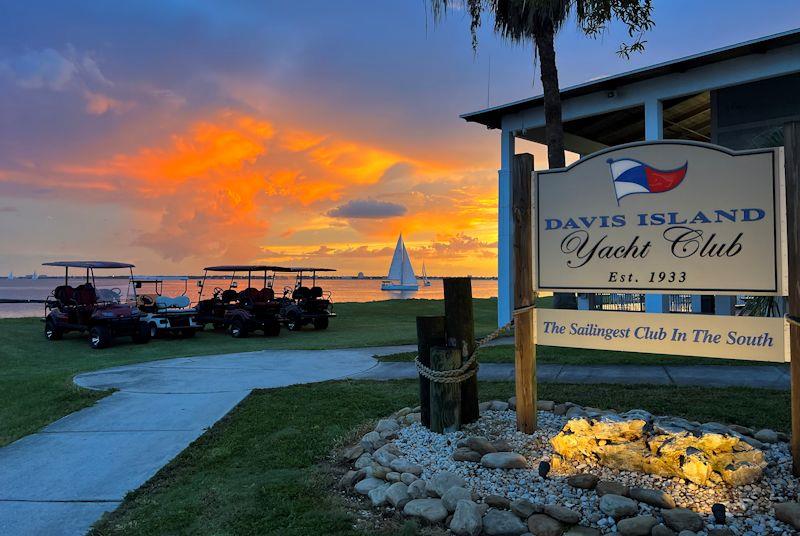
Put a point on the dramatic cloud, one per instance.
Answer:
(368, 208)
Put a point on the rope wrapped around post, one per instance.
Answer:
(470, 366)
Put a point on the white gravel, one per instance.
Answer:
(749, 511)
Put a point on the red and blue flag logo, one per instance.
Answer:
(634, 177)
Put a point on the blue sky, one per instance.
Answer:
(178, 133)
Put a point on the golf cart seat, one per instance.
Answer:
(65, 294)
(249, 294)
(301, 293)
(266, 294)
(229, 295)
(85, 294)
(316, 292)
(178, 302)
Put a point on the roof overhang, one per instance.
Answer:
(245, 268)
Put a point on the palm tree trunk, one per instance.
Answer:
(554, 126)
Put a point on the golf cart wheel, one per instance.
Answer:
(272, 329)
(51, 331)
(293, 322)
(321, 322)
(143, 333)
(99, 337)
(152, 328)
(238, 329)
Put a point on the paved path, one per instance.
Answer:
(60, 480)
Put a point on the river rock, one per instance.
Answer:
(377, 495)
(618, 506)
(583, 481)
(352, 452)
(453, 495)
(464, 454)
(393, 476)
(789, 513)
(480, 445)
(502, 523)
(467, 519)
(525, 508)
(544, 525)
(504, 460)
(365, 460)
(368, 484)
(501, 445)
(662, 530)
(387, 425)
(636, 526)
(408, 478)
(653, 497)
(372, 441)
(383, 457)
(497, 501)
(679, 519)
(767, 436)
(417, 489)
(401, 465)
(580, 530)
(397, 495)
(350, 478)
(431, 510)
(443, 481)
(498, 405)
(545, 405)
(720, 531)
(563, 514)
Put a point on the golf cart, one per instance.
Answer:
(302, 305)
(241, 312)
(165, 314)
(86, 308)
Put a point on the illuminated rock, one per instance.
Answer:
(705, 454)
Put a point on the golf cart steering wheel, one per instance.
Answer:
(217, 291)
(146, 300)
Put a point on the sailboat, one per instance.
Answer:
(401, 274)
(34, 276)
(425, 280)
(10, 276)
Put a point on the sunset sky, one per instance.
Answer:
(175, 134)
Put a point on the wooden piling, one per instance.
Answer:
(460, 333)
(430, 332)
(445, 397)
(524, 323)
(791, 136)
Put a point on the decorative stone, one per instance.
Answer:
(665, 446)
(411, 418)
(481, 445)
(788, 512)
(560, 409)
(431, 510)
(563, 514)
(767, 436)
(383, 457)
(502, 523)
(524, 508)
(397, 495)
(744, 430)
(583, 481)
(467, 519)
(636, 526)
(544, 525)
(501, 445)
(350, 478)
(545, 405)
(352, 452)
(687, 533)
(580, 530)
(464, 454)
(368, 484)
(387, 425)
(504, 460)
(443, 481)
(497, 501)
(679, 519)
(393, 476)
(498, 405)
(378, 494)
(512, 403)
(365, 460)
(604, 487)
(722, 531)
(483, 406)
(453, 495)
(371, 441)
(653, 497)
(376, 471)
(401, 465)
(408, 478)
(618, 506)
(661, 530)
(417, 489)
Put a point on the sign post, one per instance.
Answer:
(524, 321)
(791, 135)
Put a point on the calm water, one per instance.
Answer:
(343, 290)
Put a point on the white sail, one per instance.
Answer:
(425, 280)
(11, 275)
(407, 276)
(35, 276)
(396, 268)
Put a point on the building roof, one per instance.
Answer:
(492, 117)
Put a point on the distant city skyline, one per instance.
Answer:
(176, 135)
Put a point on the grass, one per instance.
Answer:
(263, 469)
(547, 355)
(36, 375)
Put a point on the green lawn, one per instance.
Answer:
(263, 469)
(36, 375)
(548, 355)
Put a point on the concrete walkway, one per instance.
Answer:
(62, 479)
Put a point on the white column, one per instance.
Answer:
(505, 231)
(654, 130)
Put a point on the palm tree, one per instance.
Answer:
(538, 22)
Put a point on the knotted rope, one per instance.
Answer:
(470, 367)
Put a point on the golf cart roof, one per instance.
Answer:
(245, 268)
(310, 269)
(89, 264)
(153, 278)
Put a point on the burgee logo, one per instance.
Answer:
(634, 177)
